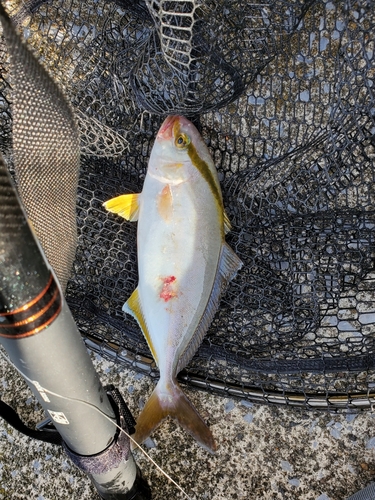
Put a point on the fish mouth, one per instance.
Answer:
(166, 129)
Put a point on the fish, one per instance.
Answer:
(184, 265)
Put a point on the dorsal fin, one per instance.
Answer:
(229, 264)
(227, 224)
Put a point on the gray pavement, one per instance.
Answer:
(263, 453)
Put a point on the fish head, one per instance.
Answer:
(170, 157)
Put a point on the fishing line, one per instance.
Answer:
(67, 398)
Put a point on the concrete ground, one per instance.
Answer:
(263, 453)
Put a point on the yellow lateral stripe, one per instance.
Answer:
(203, 168)
(135, 306)
(125, 205)
(206, 173)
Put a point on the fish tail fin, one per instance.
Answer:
(172, 401)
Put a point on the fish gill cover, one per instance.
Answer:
(282, 93)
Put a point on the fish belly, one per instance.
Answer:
(179, 243)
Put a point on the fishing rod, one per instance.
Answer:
(41, 339)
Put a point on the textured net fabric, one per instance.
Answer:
(46, 154)
(282, 93)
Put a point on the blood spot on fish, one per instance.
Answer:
(167, 292)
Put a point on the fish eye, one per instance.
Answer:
(182, 141)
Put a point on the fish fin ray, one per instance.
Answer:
(133, 307)
(227, 224)
(173, 402)
(229, 264)
(126, 205)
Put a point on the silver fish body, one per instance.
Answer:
(184, 265)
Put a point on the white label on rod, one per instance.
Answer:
(41, 391)
(58, 417)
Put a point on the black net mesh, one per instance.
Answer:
(282, 93)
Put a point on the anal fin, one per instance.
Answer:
(126, 205)
(133, 307)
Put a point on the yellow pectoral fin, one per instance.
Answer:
(126, 205)
(165, 203)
